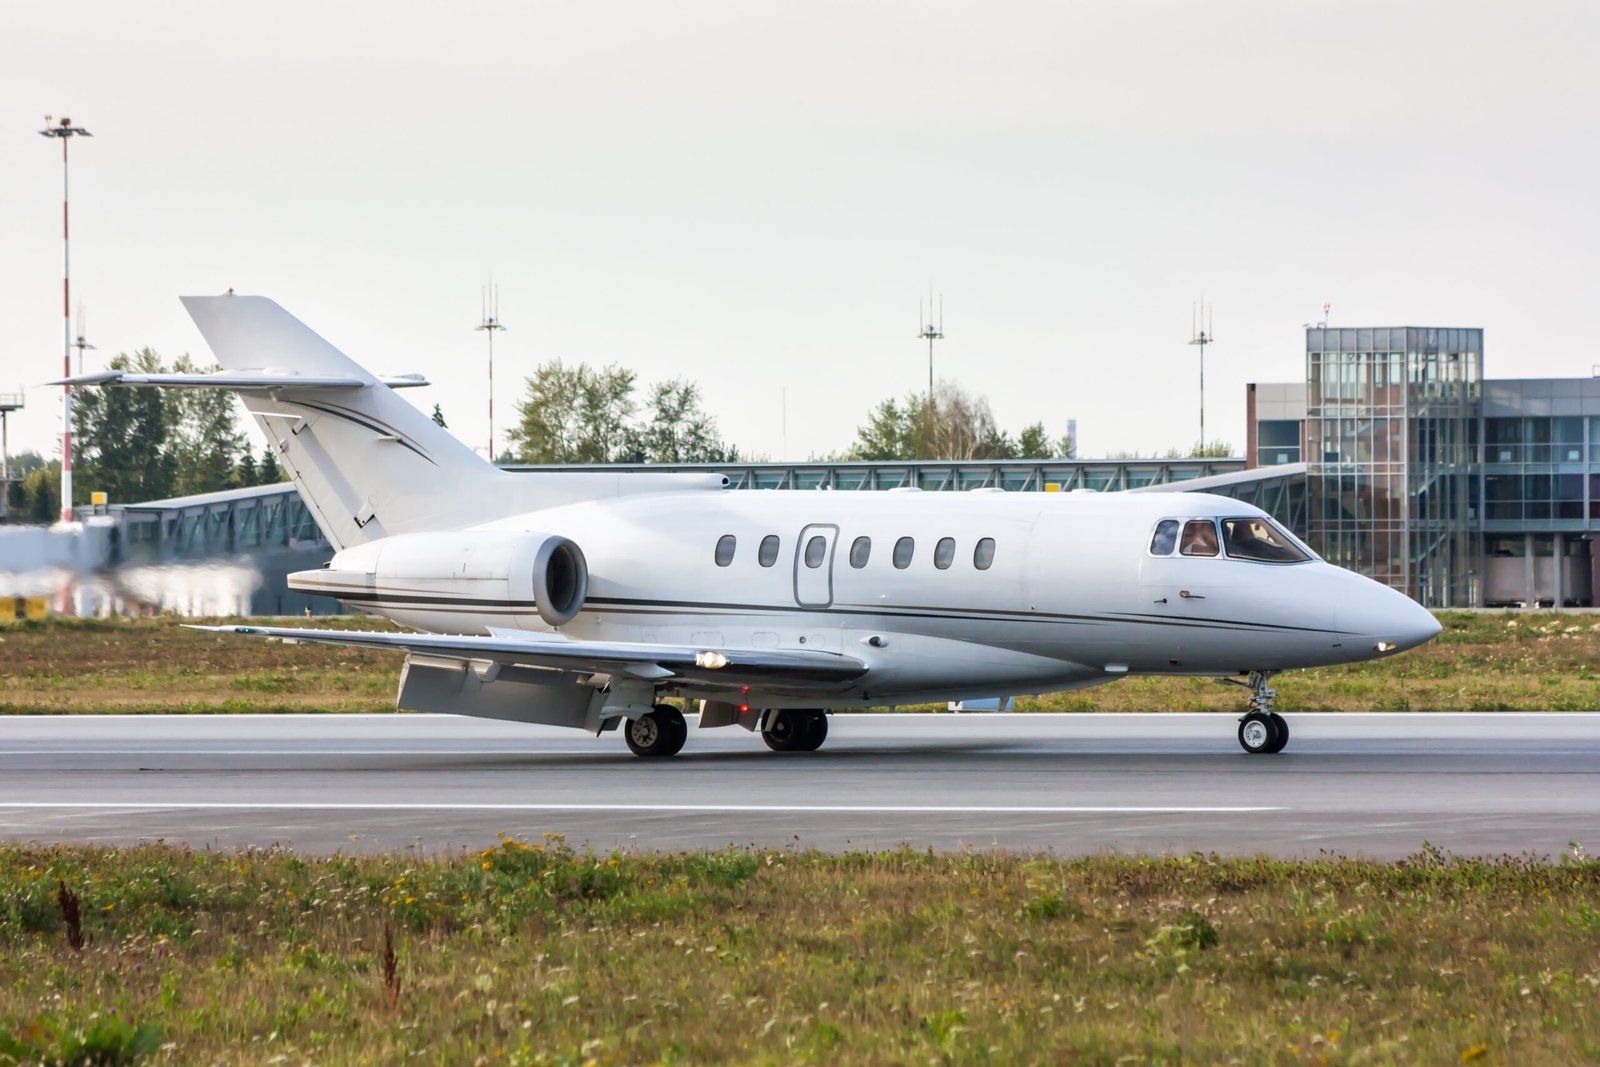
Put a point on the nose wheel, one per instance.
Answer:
(1262, 731)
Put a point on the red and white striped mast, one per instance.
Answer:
(491, 324)
(65, 130)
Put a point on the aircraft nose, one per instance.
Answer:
(1388, 621)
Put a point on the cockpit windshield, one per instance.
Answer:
(1256, 539)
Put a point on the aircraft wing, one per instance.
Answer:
(723, 666)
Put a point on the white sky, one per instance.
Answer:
(755, 196)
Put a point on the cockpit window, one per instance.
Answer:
(1199, 538)
(1165, 539)
(1257, 539)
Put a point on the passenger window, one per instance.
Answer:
(860, 549)
(1259, 540)
(944, 553)
(725, 546)
(983, 555)
(767, 554)
(816, 549)
(1199, 538)
(903, 549)
(1165, 539)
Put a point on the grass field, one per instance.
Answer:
(1481, 662)
(535, 953)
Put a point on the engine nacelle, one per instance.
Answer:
(433, 579)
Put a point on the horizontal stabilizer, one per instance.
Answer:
(234, 380)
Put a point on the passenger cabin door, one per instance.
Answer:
(813, 566)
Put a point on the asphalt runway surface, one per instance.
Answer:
(1376, 785)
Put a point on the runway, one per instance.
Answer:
(1375, 785)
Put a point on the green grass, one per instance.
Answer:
(1489, 661)
(537, 953)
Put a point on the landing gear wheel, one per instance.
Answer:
(796, 730)
(1262, 735)
(1262, 731)
(660, 732)
(1257, 734)
(1281, 725)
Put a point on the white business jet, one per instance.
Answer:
(587, 599)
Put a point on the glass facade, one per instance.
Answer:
(1536, 473)
(1278, 441)
(1389, 447)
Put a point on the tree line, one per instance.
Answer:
(145, 444)
(149, 444)
(583, 414)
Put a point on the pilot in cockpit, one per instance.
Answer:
(1199, 538)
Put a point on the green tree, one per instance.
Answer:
(889, 432)
(269, 473)
(20, 466)
(245, 473)
(121, 437)
(575, 415)
(41, 493)
(1035, 443)
(678, 429)
(203, 437)
(953, 424)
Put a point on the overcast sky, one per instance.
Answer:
(755, 196)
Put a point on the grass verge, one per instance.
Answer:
(1499, 661)
(538, 954)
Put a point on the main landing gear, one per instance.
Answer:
(796, 730)
(1262, 731)
(659, 732)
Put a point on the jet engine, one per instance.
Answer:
(439, 580)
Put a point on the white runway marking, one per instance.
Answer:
(841, 809)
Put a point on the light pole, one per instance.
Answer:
(64, 130)
(491, 324)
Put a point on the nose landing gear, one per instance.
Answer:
(1262, 731)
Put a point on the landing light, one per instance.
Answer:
(1384, 646)
(710, 661)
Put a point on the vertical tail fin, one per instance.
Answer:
(367, 463)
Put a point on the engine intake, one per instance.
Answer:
(560, 580)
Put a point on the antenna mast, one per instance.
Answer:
(81, 343)
(489, 311)
(929, 332)
(63, 131)
(1201, 335)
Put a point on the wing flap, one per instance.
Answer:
(553, 651)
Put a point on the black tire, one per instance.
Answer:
(1280, 727)
(785, 730)
(816, 731)
(1258, 733)
(796, 730)
(657, 733)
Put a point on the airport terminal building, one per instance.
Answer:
(1460, 490)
